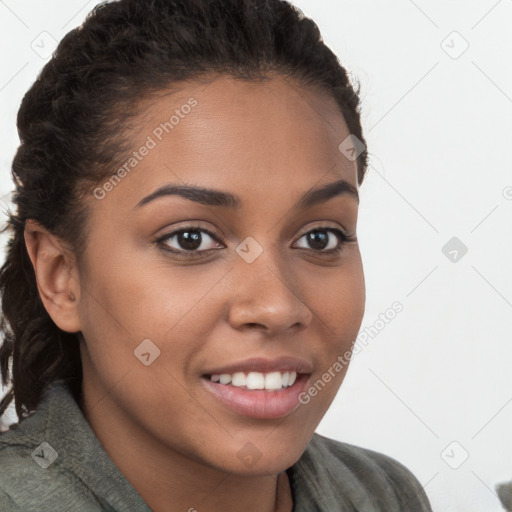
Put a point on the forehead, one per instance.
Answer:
(236, 134)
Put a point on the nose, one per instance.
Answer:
(267, 297)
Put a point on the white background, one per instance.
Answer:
(434, 386)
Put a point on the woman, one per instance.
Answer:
(184, 272)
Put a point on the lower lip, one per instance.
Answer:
(259, 403)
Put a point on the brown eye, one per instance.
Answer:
(326, 240)
(189, 239)
(318, 239)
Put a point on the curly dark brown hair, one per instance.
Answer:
(73, 121)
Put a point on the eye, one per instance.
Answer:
(194, 241)
(325, 240)
(189, 240)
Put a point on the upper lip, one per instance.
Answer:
(264, 365)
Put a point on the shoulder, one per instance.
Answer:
(341, 473)
(7, 504)
(32, 476)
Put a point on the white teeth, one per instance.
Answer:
(239, 379)
(256, 380)
(224, 378)
(275, 380)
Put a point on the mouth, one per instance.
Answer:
(259, 388)
(273, 381)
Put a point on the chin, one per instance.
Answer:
(265, 455)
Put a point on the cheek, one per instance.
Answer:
(126, 302)
(142, 296)
(340, 302)
(340, 310)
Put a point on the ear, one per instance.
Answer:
(57, 276)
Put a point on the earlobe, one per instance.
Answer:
(56, 275)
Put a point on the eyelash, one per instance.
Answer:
(342, 237)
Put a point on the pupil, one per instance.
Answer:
(318, 239)
(189, 240)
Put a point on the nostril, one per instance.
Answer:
(255, 325)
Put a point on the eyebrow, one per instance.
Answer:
(212, 197)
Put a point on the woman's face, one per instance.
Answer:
(227, 280)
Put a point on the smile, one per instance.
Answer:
(255, 380)
(258, 387)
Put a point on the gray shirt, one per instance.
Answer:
(53, 462)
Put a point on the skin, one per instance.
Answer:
(268, 143)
